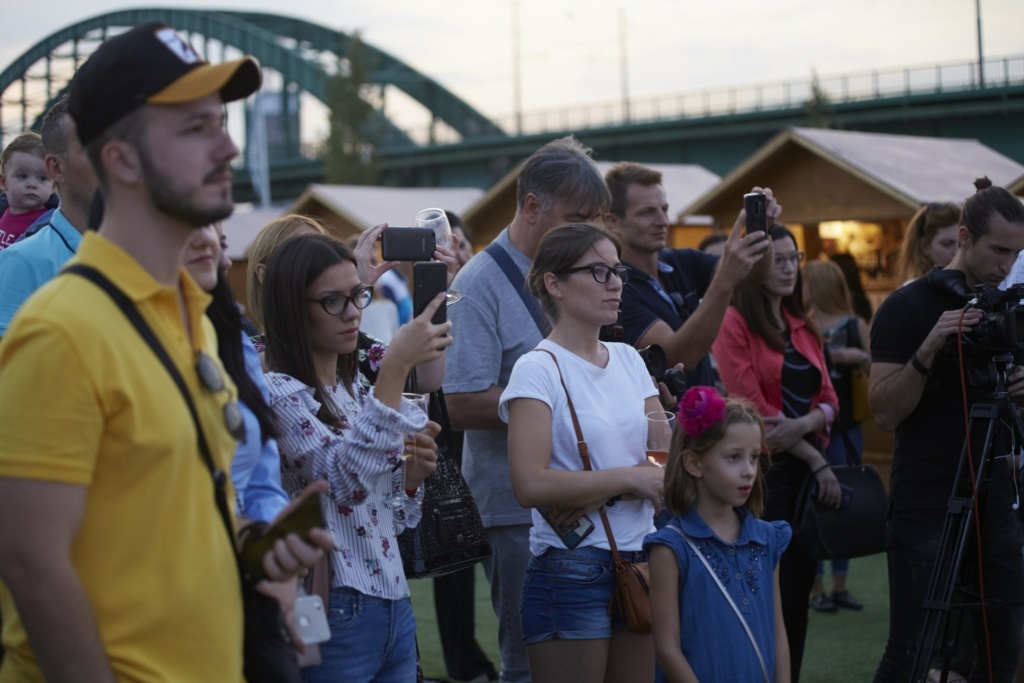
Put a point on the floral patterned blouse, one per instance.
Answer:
(360, 462)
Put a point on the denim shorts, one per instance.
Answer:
(566, 595)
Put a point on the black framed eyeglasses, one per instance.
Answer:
(602, 272)
(335, 304)
(213, 380)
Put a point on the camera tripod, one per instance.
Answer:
(990, 416)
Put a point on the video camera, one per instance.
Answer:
(655, 360)
(657, 366)
(1001, 331)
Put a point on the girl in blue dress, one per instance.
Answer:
(714, 487)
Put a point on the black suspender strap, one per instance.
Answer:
(146, 332)
(518, 282)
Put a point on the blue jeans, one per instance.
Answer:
(372, 639)
(566, 595)
(510, 553)
(912, 544)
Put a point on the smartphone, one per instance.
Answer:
(429, 278)
(308, 515)
(573, 533)
(311, 620)
(407, 244)
(756, 206)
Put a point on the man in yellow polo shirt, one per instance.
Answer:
(116, 562)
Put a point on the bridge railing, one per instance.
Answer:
(792, 94)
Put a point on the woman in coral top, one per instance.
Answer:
(769, 353)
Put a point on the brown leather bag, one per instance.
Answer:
(632, 596)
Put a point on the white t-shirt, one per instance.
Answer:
(609, 403)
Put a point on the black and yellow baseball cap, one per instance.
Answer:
(150, 64)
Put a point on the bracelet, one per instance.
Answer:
(919, 366)
(823, 467)
(411, 492)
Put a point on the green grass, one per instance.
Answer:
(841, 648)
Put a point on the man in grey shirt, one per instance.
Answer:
(493, 327)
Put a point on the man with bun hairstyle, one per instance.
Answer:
(116, 562)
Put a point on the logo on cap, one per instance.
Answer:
(174, 43)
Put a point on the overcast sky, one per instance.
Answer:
(571, 48)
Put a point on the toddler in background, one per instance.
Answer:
(715, 546)
(26, 185)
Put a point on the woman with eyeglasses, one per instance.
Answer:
(338, 426)
(930, 241)
(770, 353)
(577, 277)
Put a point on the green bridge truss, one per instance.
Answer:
(293, 47)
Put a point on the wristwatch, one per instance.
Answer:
(919, 366)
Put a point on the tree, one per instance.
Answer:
(350, 157)
(819, 106)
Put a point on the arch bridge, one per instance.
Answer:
(459, 146)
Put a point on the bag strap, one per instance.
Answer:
(146, 332)
(515, 278)
(585, 456)
(718, 582)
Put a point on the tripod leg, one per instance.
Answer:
(956, 532)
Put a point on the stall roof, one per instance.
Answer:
(241, 227)
(683, 183)
(350, 209)
(905, 170)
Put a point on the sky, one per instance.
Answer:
(571, 51)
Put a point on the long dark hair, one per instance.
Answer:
(292, 268)
(227, 321)
(756, 308)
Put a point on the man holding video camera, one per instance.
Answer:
(916, 390)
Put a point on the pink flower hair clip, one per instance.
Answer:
(699, 409)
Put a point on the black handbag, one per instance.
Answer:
(856, 529)
(451, 534)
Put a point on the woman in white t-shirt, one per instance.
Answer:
(577, 277)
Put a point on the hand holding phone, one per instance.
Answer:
(305, 517)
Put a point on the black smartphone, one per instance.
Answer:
(308, 515)
(573, 533)
(407, 244)
(756, 206)
(429, 278)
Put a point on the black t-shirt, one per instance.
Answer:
(929, 442)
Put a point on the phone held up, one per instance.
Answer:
(429, 278)
(300, 521)
(756, 206)
(407, 244)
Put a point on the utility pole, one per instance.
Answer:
(517, 93)
(624, 63)
(981, 62)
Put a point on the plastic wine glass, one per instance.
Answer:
(420, 401)
(659, 436)
(437, 220)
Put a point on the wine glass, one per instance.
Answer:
(420, 401)
(659, 436)
(437, 220)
